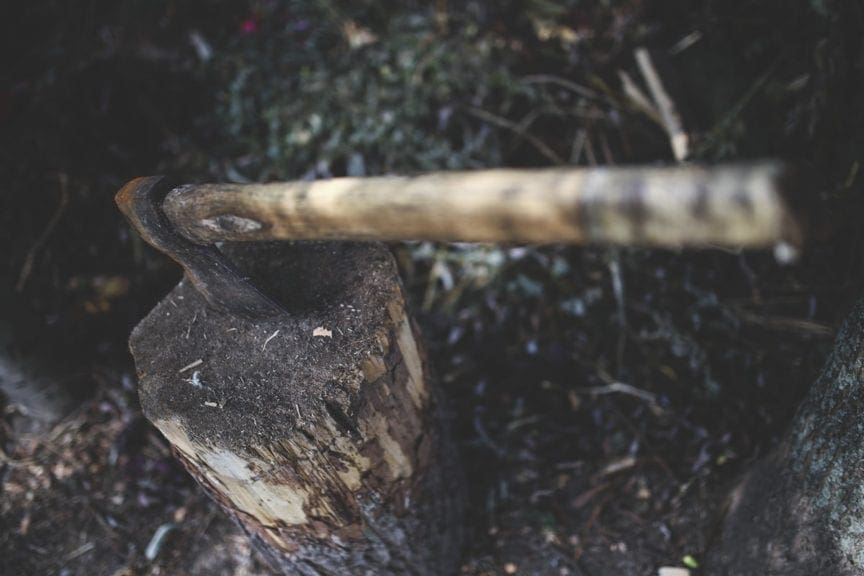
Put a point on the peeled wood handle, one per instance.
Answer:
(738, 205)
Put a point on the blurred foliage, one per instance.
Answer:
(320, 89)
(300, 100)
(772, 78)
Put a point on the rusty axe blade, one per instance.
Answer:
(207, 268)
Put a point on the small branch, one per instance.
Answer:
(626, 389)
(30, 259)
(578, 145)
(272, 336)
(484, 437)
(686, 42)
(618, 291)
(639, 99)
(188, 367)
(671, 119)
(541, 146)
(783, 324)
(719, 129)
(563, 83)
(618, 388)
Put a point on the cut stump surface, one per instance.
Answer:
(319, 430)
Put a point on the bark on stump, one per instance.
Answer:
(800, 511)
(320, 430)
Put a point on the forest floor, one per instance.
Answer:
(605, 399)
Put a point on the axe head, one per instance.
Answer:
(221, 284)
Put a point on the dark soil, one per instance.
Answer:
(92, 494)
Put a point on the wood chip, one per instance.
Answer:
(673, 571)
(157, 540)
(190, 366)
(323, 332)
(269, 338)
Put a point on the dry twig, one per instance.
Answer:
(538, 144)
(30, 259)
(665, 106)
(639, 98)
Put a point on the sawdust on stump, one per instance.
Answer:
(318, 429)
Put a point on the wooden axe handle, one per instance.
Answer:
(735, 205)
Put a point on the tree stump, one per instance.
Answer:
(800, 511)
(319, 431)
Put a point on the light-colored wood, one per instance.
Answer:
(736, 206)
(669, 116)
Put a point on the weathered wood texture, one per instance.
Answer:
(800, 511)
(320, 431)
(741, 206)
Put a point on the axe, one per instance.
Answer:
(315, 424)
(738, 206)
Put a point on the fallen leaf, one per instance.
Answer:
(357, 36)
